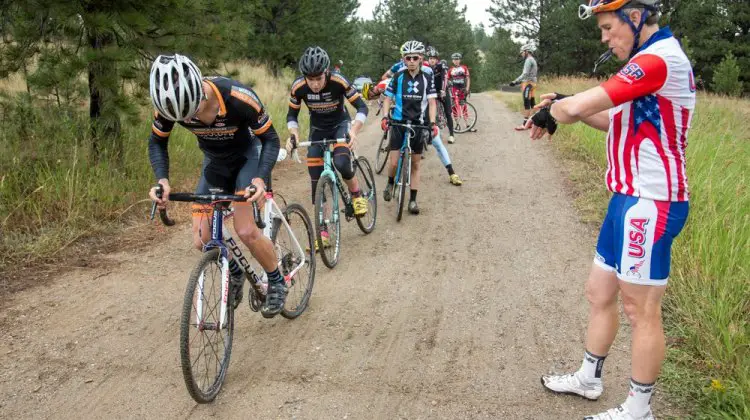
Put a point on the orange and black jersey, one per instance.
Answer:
(326, 107)
(241, 114)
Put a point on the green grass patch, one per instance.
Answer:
(707, 306)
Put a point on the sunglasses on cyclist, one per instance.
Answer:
(412, 58)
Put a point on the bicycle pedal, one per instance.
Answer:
(254, 300)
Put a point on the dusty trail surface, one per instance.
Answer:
(451, 314)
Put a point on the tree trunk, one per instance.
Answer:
(103, 90)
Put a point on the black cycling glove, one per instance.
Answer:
(544, 119)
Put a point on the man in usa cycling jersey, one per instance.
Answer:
(223, 114)
(646, 111)
(412, 92)
(325, 93)
(459, 79)
(527, 79)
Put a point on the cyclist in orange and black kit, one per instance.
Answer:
(325, 93)
(223, 114)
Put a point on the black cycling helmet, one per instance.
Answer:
(432, 52)
(314, 61)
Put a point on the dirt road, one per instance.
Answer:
(451, 314)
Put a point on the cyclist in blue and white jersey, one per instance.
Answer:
(413, 95)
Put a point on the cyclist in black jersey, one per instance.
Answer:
(441, 85)
(325, 93)
(224, 115)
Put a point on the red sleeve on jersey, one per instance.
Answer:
(466, 69)
(642, 76)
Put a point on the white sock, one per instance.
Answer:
(591, 368)
(638, 402)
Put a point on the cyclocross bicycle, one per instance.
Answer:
(330, 188)
(464, 115)
(207, 321)
(403, 167)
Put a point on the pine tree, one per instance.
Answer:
(282, 29)
(441, 24)
(89, 50)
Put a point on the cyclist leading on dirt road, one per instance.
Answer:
(223, 114)
(646, 109)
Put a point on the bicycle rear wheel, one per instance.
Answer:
(366, 181)
(401, 184)
(205, 344)
(467, 121)
(382, 156)
(327, 219)
(299, 286)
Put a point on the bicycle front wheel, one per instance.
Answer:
(327, 222)
(366, 181)
(401, 184)
(466, 119)
(382, 156)
(206, 342)
(290, 257)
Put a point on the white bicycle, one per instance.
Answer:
(207, 321)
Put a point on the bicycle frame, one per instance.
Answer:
(221, 238)
(459, 108)
(405, 150)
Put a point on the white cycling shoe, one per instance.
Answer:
(570, 384)
(619, 413)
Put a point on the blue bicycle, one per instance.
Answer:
(403, 167)
(330, 188)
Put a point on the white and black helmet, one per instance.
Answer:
(528, 47)
(176, 86)
(432, 52)
(412, 47)
(456, 56)
(314, 61)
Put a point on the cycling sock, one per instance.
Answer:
(391, 180)
(591, 367)
(449, 167)
(413, 195)
(234, 268)
(638, 402)
(274, 276)
(356, 194)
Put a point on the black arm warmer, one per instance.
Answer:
(158, 153)
(268, 153)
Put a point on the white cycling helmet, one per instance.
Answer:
(528, 47)
(412, 47)
(176, 86)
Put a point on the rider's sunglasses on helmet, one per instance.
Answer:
(412, 58)
(599, 6)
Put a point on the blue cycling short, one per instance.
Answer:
(636, 238)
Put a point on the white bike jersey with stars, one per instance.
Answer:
(654, 97)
